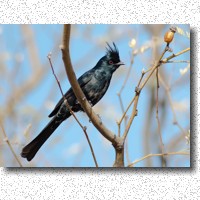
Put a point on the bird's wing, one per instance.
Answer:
(83, 80)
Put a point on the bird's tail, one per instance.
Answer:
(32, 148)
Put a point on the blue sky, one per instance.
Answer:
(67, 147)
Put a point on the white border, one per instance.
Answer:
(109, 183)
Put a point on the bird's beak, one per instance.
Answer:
(120, 63)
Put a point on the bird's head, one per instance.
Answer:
(111, 61)
(112, 57)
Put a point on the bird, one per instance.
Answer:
(94, 84)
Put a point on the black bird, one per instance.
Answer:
(94, 84)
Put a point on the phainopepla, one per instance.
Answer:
(94, 84)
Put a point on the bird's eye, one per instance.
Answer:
(110, 62)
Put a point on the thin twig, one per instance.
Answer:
(175, 121)
(125, 117)
(158, 120)
(131, 102)
(124, 114)
(138, 91)
(157, 105)
(58, 82)
(120, 98)
(127, 75)
(123, 110)
(175, 55)
(119, 128)
(158, 65)
(157, 108)
(177, 61)
(122, 107)
(72, 113)
(121, 104)
(9, 144)
(158, 154)
(134, 112)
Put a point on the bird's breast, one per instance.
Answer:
(96, 89)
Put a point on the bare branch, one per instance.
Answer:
(177, 61)
(134, 113)
(79, 93)
(72, 113)
(158, 154)
(124, 114)
(175, 55)
(125, 117)
(175, 121)
(118, 142)
(138, 91)
(158, 120)
(9, 144)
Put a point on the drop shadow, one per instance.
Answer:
(152, 170)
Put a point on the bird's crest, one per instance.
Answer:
(112, 52)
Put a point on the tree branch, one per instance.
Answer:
(118, 142)
(115, 140)
(158, 154)
(139, 89)
(71, 111)
(175, 121)
(158, 120)
(9, 144)
(175, 55)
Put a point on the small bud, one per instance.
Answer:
(169, 35)
(143, 71)
(136, 112)
(132, 43)
(49, 55)
(173, 29)
(137, 90)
